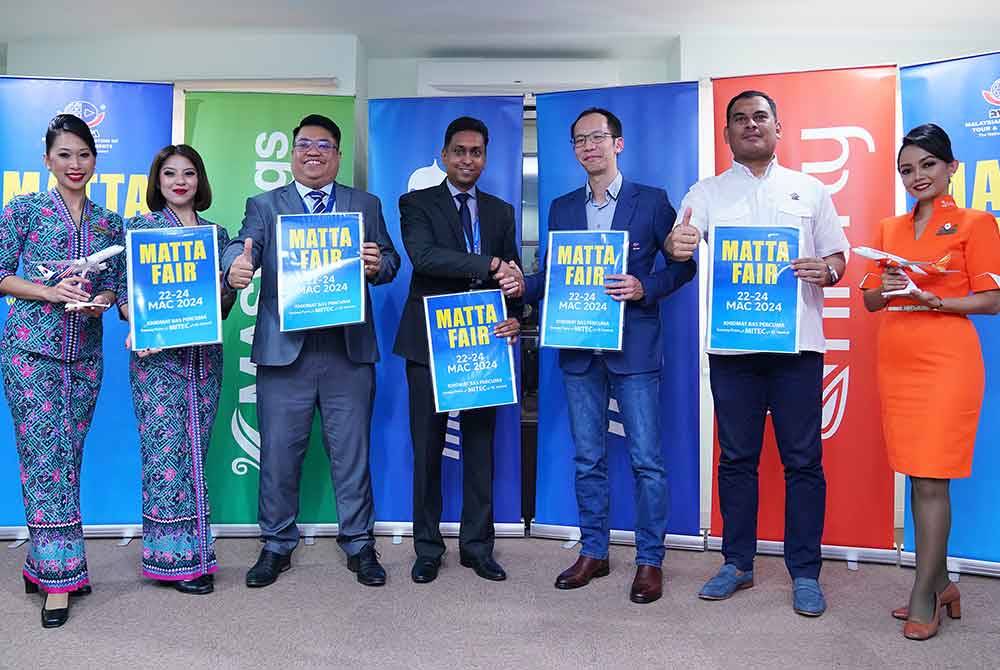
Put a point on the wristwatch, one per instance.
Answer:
(834, 277)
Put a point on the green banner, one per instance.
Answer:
(246, 141)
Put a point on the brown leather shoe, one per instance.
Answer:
(950, 599)
(580, 573)
(647, 585)
(915, 630)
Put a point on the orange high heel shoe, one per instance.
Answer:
(914, 630)
(950, 599)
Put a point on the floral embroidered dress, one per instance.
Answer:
(52, 364)
(176, 396)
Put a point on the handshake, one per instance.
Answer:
(508, 276)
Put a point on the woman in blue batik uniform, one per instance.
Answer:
(176, 396)
(51, 353)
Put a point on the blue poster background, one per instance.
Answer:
(404, 153)
(131, 122)
(471, 367)
(333, 295)
(954, 94)
(660, 128)
(583, 317)
(748, 313)
(177, 313)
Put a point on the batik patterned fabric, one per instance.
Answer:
(176, 396)
(52, 366)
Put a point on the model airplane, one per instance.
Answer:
(80, 266)
(885, 259)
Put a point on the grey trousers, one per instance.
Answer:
(287, 397)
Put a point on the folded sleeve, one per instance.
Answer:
(982, 253)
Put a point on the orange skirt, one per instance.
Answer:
(931, 381)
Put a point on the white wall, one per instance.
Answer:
(166, 56)
(724, 53)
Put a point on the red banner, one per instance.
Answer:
(839, 126)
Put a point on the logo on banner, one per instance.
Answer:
(836, 305)
(425, 177)
(992, 96)
(93, 115)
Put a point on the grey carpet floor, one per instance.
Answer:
(318, 616)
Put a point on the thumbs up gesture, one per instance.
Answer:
(683, 239)
(242, 269)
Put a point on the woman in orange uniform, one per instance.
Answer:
(930, 366)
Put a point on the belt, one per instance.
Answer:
(909, 308)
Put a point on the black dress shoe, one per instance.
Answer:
(199, 586)
(366, 564)
(425, 570)
(54, 618)
(485, 567)
(267, 568)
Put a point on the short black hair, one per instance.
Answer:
(931, 138)
(463, 123)
(614, 123)
(746, 95)
(322, 122)
(154, 196)
(68, 123)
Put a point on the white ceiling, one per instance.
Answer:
(513, 28)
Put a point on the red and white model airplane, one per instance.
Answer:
(885, 259)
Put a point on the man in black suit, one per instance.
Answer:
(458, 239)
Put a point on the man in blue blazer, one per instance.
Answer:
(332, 369)
(632, 375)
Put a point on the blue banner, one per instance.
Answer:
(658, 154)
(321, 276)
(470, 366)
(130, 123)
(753, 302)
(963, 97)
(579, 314)
(404, 154)
(173, 287)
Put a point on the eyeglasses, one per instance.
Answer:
(323, 146)
(595, 138)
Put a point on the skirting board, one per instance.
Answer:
(966, 566)
(554, 532)
(830, 551)
(126, 531)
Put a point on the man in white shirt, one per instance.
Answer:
(758, 191)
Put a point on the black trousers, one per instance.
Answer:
(427, 430)
(744, 388)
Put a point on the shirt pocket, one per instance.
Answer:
(802, 217)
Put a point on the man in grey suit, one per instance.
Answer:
(332, 369)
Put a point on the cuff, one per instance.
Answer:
(987, 281)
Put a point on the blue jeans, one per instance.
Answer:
(638, 398)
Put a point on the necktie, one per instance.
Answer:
(465, 214)
(317, 197)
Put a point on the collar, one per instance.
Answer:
(305, 190)
(743, 170)
(942, 203)
(454, 190)
(614, 188)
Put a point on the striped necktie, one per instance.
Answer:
(318, 197)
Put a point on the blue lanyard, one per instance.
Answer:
(331, 200)
(476, 247)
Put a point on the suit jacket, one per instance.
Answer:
(270, 345)
(645, 212)
(433, 237)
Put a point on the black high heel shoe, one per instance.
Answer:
(199, 586)
(55, 617)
